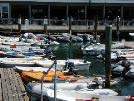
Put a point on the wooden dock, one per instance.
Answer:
(11, 86)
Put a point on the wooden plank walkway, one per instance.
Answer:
(11, 86)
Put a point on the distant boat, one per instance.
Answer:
(93, 49)
(127, 53)
(12, 62)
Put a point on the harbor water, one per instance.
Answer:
(65, 51)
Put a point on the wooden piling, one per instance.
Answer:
(45, 25)
(108, 40)
(19, 28)
(45, 28)
(19, 25)
(117, 27)
(70, 32)
(95, 27)
(70, 25)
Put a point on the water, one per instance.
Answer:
(65, 51)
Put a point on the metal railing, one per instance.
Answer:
(6, 21)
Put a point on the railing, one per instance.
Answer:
(5, 21)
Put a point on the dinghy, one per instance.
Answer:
(127, 53)
(68, 91)
(61, 64)
(36, 76)
(93, 49)
(33, 69)
(12, 62)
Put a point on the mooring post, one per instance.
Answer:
(117, 27)
(70, 26)
(70, 32)
(95, 27)
(45, 28)
(19, 25)
(45, 25)
(108, 40)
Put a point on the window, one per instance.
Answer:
(5, 9)
(4, 15)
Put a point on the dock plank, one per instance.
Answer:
(0, 91)
(11, 86)
(23, 90)
(17, 85)
(4, 87)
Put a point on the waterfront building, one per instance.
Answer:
(58, 12)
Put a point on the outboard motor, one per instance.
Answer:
(71, 68)
(99, 83)
(69, 65)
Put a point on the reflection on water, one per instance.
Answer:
(65, 51)
(127, 89)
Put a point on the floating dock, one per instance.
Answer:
(11, 86)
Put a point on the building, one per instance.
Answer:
(58, 12)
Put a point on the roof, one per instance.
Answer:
(112, 1)
(56, 1)
(75, 1)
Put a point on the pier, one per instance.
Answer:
(61, 28)
(11, 86)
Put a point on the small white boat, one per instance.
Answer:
(34, 69)
(127, 53)
(114, 56)
(19, 48)
(98, 48)
(16, 43)
(12, 62)
(68, 91)
(61, 64)
(93, 49)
